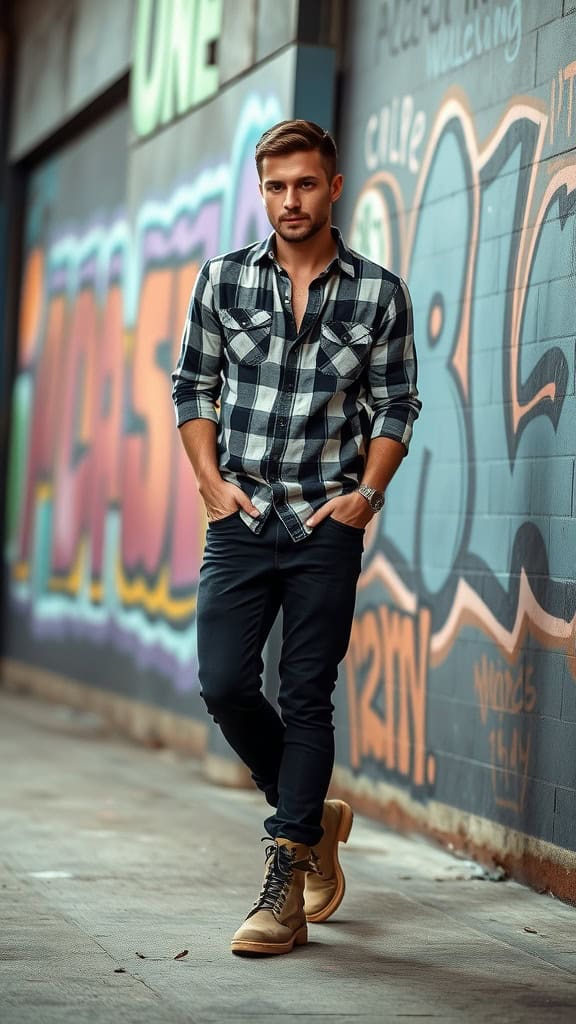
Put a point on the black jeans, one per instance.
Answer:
(245, 579)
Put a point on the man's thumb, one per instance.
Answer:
(245, 503)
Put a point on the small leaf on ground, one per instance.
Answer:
(180, 956)
(119, 970)
(531, 930)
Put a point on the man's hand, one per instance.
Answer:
(223, 499)
(351, 509)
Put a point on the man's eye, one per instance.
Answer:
(307, 184)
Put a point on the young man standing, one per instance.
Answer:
(308, 349)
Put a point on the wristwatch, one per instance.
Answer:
(374, 498)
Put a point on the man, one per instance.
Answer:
(308, 350)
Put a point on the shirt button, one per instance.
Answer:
(287, 301)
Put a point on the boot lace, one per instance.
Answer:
(314, 864)
(280, 866)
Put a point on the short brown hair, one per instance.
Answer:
(291, 136)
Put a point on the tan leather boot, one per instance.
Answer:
(277, 921)
(325, 885)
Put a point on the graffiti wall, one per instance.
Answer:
(457, 126)
(457, 134)
(105, 527)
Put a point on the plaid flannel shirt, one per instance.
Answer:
(296, 408)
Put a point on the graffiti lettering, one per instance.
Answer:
(171, 72)
(394, 135)
(501, 175)
(510, 760)
(453, 37)
(502, 690)
(505, 698)
(562, 101)
(44, 426)
(71, 477)
(107, 430)
(402, 23)
(187, 526)
(147, 446)
(386, 669)
(106, 524)
(457, 44)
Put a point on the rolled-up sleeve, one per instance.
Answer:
(392, 371)
(196, 381)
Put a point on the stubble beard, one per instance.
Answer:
(314, 228)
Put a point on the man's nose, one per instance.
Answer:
(291, 200)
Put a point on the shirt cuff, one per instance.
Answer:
(196, 409)
(385, 424)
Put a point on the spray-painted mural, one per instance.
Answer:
(106, 529)
(462, 685)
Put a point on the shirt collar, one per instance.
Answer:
(266, 250)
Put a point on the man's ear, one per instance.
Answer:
(336, 186)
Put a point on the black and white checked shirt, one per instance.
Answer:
(296, 409)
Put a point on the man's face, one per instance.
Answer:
(297, 194)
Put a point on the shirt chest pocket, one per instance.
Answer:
(343, 349)
(247, 334)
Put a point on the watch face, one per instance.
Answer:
(377, 502)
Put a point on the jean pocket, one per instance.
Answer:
(215, 524)
(357, 531)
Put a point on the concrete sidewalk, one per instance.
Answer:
(115, 858)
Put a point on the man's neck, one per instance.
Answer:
(307, 258)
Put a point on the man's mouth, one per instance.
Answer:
(292, 220)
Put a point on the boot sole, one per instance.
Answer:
(300, 938)
(346, 819)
